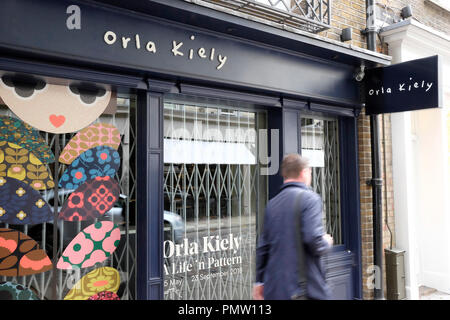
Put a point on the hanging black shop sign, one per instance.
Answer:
(407, 86)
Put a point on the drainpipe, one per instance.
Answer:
(376, 182)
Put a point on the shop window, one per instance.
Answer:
(77, 140)
(213, 196)
(320, 144)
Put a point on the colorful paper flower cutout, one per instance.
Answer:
(18, 132)
(98, 134)
(14, 291)
(96, 281)
(19, 163)
(105, 295)
(91, 200)
(21, 204)
(100, 161)
(20, 255)
(92, 245)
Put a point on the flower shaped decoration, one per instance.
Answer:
(105, 295)
(96, 281)
(91, 200)
(98, 134)
(92, 245)
(20, 255)
(18, 132)
(21, 204)
(100, 161)
(14, 291)
(21, 164)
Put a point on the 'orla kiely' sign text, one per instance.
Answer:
(207, 252)
(179, 48)
(403, 86)
(406, 86)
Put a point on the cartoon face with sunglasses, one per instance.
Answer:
(50, 107)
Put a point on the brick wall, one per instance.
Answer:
(365, 173)
(346, 14)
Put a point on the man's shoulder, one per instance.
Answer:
(309, 197)
(310, 194)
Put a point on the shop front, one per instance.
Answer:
(188, 123)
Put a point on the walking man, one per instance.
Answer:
(277, 261)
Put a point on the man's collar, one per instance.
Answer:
(296, 184)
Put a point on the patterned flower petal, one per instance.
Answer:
(16, 131)
(15, 291)
(96, 281)
(98, 134)
(91, 200)
(89, 166)
(105, 295)
(85, 246)
(25, 259)
(21, 164)
(21, 204)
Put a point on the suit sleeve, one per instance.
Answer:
(312, 225)
(262, 254)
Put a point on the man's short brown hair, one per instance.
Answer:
(292, 165)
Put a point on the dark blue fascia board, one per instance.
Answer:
(206, 18)
(70, 72)
(295, 104)
(230, 95)
(333, 110)
(162, 86)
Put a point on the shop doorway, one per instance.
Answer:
(320, 144)
(329, 143)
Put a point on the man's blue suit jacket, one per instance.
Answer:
(276, 254)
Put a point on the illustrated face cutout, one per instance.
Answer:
(98, 134)
(20, 255)
(96, 281)
(21, 204)
(14, 291)
(91, 200)
(100, 161)
(105, 295)
(18, 163)
(92, 245)
(18, 132)
(52, 107)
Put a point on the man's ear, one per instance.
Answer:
(302, 173)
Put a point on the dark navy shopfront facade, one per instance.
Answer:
(178, 60)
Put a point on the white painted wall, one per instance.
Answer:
(420, 169)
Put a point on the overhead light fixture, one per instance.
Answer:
(346, 34)
(359, 74)
(406, 12)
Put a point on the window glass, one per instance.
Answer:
(77, 140)
(213, 195)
